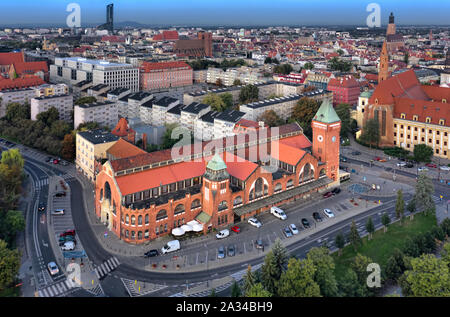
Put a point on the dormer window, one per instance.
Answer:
(444, 100)
(376, 101)
(403, 116)
(428, 120)
(441, 122)
(415, 117)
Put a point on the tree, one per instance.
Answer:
(370, 227)
(274, 264)
(411, 207)
(339, 65)
(235, 290)
(339, 241)
(308, 65)
(215, 101)
(298, 280)
(424, 193)
(385, 220)
(87, 126)
(395, 265)
(213, 293)
(283, 69)
(371, 133)
(167, 140)
(219, 82)
(48, 117)
(248, 93)
(9, 265)
(354, 237)
(237, 82)
(340, 52)
(349, 285)
(406, 58)
(227, 99)
(249, 280)
(16, 111)
(59, 129)
(429, 276)
(270, 119)
(400, 206)
(343, 112)
(423, 153)
(68, 147)
(85, 100)
(303, 112)
(359, 266)
(324, 275)
(258, 290)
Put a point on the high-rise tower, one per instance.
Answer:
(110, 17)
(391, 26)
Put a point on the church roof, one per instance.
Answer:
(326, 113)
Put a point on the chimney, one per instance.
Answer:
(144, 141)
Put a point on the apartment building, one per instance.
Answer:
(245, 75)
(165, 75)
(62, 103)
(105, 113)
(160, 108)
(192, 112)
(90, 146)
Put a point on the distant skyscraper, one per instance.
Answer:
(109, 25)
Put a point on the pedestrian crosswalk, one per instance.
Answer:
(106, 267)
(67, 177)
(41, 183)
(97, 290)
(58, 289)
(136, 288)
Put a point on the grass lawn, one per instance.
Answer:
(381, 246)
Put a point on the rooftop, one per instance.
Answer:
(98, 136)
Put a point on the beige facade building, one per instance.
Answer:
(62, 103)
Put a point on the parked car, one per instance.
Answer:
(55, 161)
(409, 165)
(223, 234)
(49, 159)
(293, 228)
(52, 268)
(151, 253)
(65, 239)
(422, 169)
(254, 222)
(287, 232)
(41, 207)
(231, 250)
(445, 168)
(431, 165)
(236, 229)
(305, 223)
(356, 153)
(60, 194)
(317, 216)
(278, 212)
(327, 195)
(401, 164)
(328, 213)
(68, 246)
(343, 159)
(70, 232)
(259, 244)
(377, 158)
(221, 252)
(171, 246)
(58, 212)
(336, 190)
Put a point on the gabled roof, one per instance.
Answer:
(286, 153)
(11, 58)
(122, 149)
(122, 129)
(326, 113)
(20, 83)
(30, 67)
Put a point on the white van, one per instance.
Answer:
(58, 212)
(278, 212)
(171, 246)
(68, 246)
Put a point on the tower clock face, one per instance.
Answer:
(333, 139)
(320, 138)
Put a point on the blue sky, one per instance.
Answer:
(227, 12)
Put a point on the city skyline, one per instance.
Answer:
(224, 13)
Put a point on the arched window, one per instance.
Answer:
(133, 235)
(107, 191)
(146, 234)
(260, 189)
(139, 220)
(195, 204)
(146, 219)
(127, 219)
(307, 174)
(290, 183)
(101, 194)
(237, 201)
(179, 209)
(162, 214)
(140, 235)
(133, 220)
(322, 172)
(278, 187)
(223, 205)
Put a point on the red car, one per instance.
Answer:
(68, 233)
(431, 165)
(327, 194)
(55, 161)
(236, 229)
(377, 158)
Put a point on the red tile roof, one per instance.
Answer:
(343, 82)
(298, 141)
(147, 67)
(122, 149)
(20, 83)
(30, 68)
(286, 153)
(122, 129)
(437, 93)
(423, 109)
(11, 58)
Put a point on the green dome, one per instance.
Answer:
(326, 113)
(216, 163)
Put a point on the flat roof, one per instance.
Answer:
(96, 62)
(98, 136)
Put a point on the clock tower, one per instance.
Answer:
(326, 127)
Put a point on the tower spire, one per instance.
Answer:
(383, 70)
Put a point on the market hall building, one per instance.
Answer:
(146, 196)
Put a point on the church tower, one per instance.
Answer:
(326, 127)
(216, 193)
(391, 26)
(383, 68)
